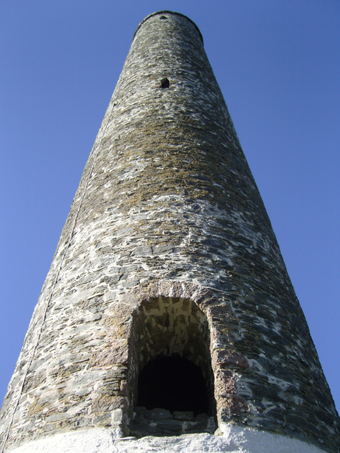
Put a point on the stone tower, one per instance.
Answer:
(168, 311)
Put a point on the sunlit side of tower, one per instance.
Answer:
(168, 266)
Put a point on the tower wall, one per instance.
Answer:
(167, 214)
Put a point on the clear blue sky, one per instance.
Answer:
(277, 63)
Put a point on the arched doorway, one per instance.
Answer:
(173, 385)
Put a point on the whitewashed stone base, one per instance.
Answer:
(234, 439)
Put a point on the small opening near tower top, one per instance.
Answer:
(163, 17)
(165, 83)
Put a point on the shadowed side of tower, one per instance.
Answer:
(168, 259)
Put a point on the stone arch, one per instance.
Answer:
(169, 325)
(212, 322)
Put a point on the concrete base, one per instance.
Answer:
(234, 439)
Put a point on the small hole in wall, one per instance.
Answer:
(173, 383)
(163, 17)
(165, 83)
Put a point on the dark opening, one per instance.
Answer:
(165, 83)
(173, 383)
(163, 17)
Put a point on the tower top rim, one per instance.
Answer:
(167, 12)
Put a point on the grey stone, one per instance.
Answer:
(158, 414)
(180, 415)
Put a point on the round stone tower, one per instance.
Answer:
(167, 320)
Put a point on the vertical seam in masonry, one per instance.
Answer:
(67, 245)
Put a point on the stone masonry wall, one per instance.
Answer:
(167, 208)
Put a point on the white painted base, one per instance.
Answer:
(234, 439)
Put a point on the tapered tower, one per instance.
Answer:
(168, 311)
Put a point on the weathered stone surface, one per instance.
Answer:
(234, 440)
(160, 422)
(168, 249)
